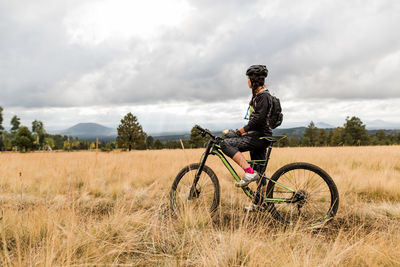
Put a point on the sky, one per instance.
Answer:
(178, 63)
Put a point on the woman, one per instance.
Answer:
(248, 137)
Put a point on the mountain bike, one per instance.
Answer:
(296, 193)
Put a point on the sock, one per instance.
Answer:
(249, 170)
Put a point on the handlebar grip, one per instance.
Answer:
(199, 128)
(204, 131)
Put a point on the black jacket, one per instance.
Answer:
(259, 121)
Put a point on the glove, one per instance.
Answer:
(228, 133)
(238, 133)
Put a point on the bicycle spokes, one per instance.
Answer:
(311, 201)
(194, 192)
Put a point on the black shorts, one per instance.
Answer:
(249, 142)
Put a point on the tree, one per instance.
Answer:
(196, 140)
(322, 137)
(337, 137)
(1, 120)
(107, 147)
(75, 145)
(311, 133)
(186, 143)
(2, 139)
(15, 123)
(348, 139)
(158, 144)
(59, 141)
(173, 144)
(66, 145)
(354, 132)
(330, 136)
(40, 133)
(49, 143)
(149, 142)
(92, 146)
(305, 141)
(23, 139)
(381, 138)
(37, 126)
(7, 140)
(293, 141)
(130, 133)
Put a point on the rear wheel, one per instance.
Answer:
(313, 200)
(204, 197)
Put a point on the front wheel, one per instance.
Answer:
(308, 195)
(203, 197)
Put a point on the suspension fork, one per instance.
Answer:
(193, 191)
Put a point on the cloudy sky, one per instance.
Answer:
(177, 63)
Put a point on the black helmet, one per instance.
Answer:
(257, 70)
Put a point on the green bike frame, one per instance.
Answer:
(214, 149)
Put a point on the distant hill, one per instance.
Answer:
(169, 137)
(297, 132)
(90, 131)
(323, 125)
(381, 124)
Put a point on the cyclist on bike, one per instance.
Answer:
(248, 137)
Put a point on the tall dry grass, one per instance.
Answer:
(87, 208)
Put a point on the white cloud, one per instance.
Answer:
(62, 60)
(119, 20)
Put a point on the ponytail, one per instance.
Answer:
(256, 82)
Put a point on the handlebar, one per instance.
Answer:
(205, 132)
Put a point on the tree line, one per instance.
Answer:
(24, 139)
(131, 136)
(352, 133)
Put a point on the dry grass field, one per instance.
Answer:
(112, 209)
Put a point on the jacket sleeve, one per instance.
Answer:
(259, 116)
